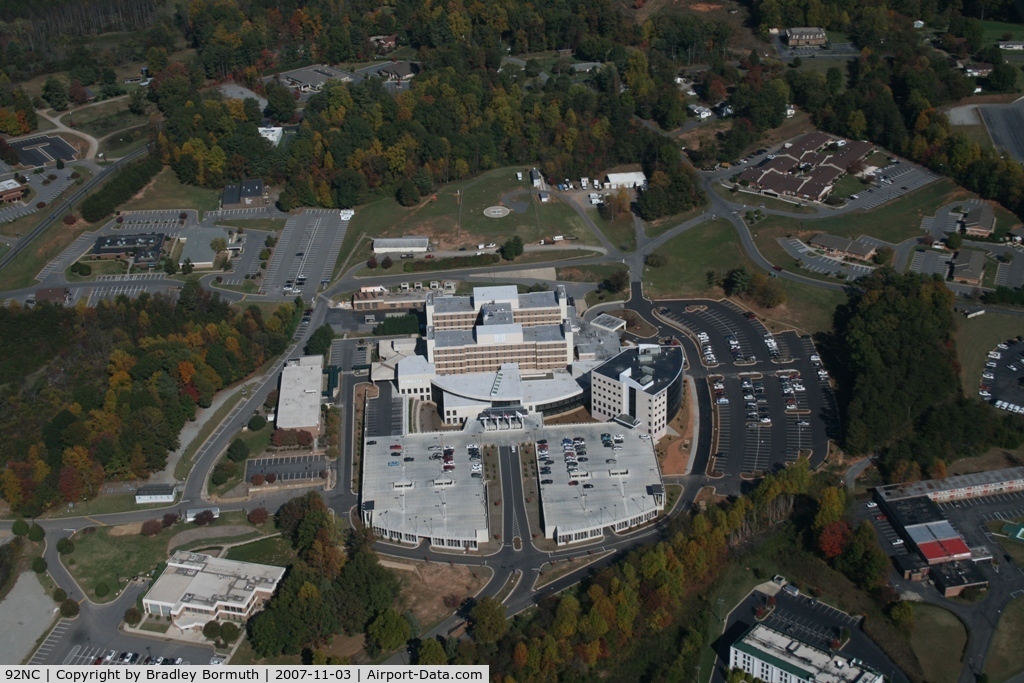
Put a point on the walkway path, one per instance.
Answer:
(59, 127)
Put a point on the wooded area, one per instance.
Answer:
(898, 379)
(96, 394)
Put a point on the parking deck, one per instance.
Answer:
(589, 487)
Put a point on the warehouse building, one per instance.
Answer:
(155, 493)
(195, 589)
(298, 403)
(641, 386)
(921, 523)
(401, 245)
(633, 179)
(774, 657)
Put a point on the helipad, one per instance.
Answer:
(496, 211)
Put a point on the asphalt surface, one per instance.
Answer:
(1005, 123)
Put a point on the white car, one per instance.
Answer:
(871, 505)
(645, 436)
(987, 375)
(477, 467)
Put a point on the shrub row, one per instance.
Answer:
(120, 188)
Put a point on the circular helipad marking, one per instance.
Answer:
(496, 211)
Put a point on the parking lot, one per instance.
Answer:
(817, 262)
(98, 294)
(931, 262)
(970, 517)
(305, 254)
(1002, 378)
(1005, 123)
(771, 401)
(891, 182)
(287, 468)
(42, 149)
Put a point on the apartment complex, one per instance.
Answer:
(775, 657)
(642, 386)
(197, 588)
(806, 36)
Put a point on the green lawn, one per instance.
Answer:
(22, 271)
(124, 142)
(109, 267)
(847, 185)
(619, 231)
(165, 192)
(104, 504)
(275, 551)
(102, 558)
(264, 224)
(1004, 660)
(712, 245)
(662, 225)
(247, 287)
(455, 219)
(938, 639)
(977, 336)
(995, 30)
(104, 119)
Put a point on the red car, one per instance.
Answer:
(880, 518)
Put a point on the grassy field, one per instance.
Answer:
(619, 231)
(977, 336)
(111, 267)
(847, 185)
(264, 224)
(1004, 660)
(124, 142)
(104, 119)
(165, 192)
(47, 246)
(586, 273)
(712, 245)
(977, 133)
(104, 504)
(247, 287)
(938, 639)
(275, 551)
(715, 246)
(455, 219)
(663, 225)
(995, 30)
(104, 558)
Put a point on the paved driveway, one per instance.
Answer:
(27, 612)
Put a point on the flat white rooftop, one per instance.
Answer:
(629, 488)
(418, 498)
(204, 580)
(298, 404)
(800, 659)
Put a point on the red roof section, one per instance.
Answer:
(945, 550)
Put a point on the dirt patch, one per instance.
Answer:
(347, 646)
(435, 589)
(126, 529)
(677, 449)
(186, 537)
(704, 7)
(964, 116)
(578, 416)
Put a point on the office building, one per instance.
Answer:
(11, 191)
(959, 487)
(248, 195)
(641, 387)
(775, 657)
(195, 589)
